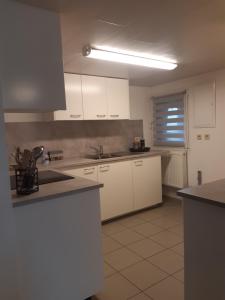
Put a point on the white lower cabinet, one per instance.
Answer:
(147, 182)
(116, 196)
(128, 185)
(90, 173)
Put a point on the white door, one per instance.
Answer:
(94, 98)
(74, 100)
(147, 182)
(116, 195)
(118, 98)
(87, 173)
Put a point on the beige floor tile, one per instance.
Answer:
(117, 288)
(140, 296)
(109, 245)
(146, 248)
(108, 270)
(147, 229)
(179, 275)
(143, 274)
(131, 221)
(151, 214)
(179, 249)
(168, 289)
(167, 261)
(127, 236)
(111, 228)
(122, 258)
(167, 239)
(166, 221)
(178, 229)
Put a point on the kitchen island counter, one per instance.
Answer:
(54, 190)
(204, 241)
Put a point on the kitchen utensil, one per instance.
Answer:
(37, 153)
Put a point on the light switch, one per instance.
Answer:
(199, 137)
(207, 137)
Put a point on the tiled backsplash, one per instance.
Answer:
(74, 137)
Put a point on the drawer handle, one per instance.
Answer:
(100, 116)
(89, 171)
(138, 163)
(114, 116)
(104, 168)
(75, 116)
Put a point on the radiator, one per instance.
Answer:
(174, 169)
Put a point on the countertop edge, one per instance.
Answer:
(23, 201)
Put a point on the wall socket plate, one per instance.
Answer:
(199, 137)
(207, 137)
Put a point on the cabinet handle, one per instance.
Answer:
(104, 168)
(138, 163)
(100, 116)
(75, 116)
(114, 116)
(89, 171)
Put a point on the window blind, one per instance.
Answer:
(169, 119)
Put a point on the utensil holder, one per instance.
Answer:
(26, 181)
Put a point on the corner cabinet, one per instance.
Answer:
(32, 69)
(74, 99)
(147, 182)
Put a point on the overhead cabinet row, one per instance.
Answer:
(95, 98)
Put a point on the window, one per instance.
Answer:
(169, 129)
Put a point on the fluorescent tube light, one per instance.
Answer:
(128, 59)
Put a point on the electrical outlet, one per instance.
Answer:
(199, 137)
(207, 137)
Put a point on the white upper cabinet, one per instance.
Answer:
(31, 68)
(118, 98)
(94, 98)
(74, 99)
(204, 97)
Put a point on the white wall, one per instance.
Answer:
(207, 156)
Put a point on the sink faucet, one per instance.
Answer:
(99, 150)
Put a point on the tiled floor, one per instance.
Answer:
(143, 255)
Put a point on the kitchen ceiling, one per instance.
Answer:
(191, 32)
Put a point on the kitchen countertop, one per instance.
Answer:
(84, 162)
(71, 186)
(211, 193)
(56, 189)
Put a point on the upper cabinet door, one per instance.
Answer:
(74, 100)
(118, 98)
(94, 98)
(204, 97)
(31, 68)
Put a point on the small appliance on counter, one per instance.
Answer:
(54, 155)
(139, 145)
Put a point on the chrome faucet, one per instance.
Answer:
(99, 150)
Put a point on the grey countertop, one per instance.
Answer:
(76, 185)
(70, 163)
(56, 189)
(211, 193)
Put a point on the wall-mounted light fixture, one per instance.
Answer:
(124, 58)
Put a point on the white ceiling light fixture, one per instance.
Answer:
(124, 58)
